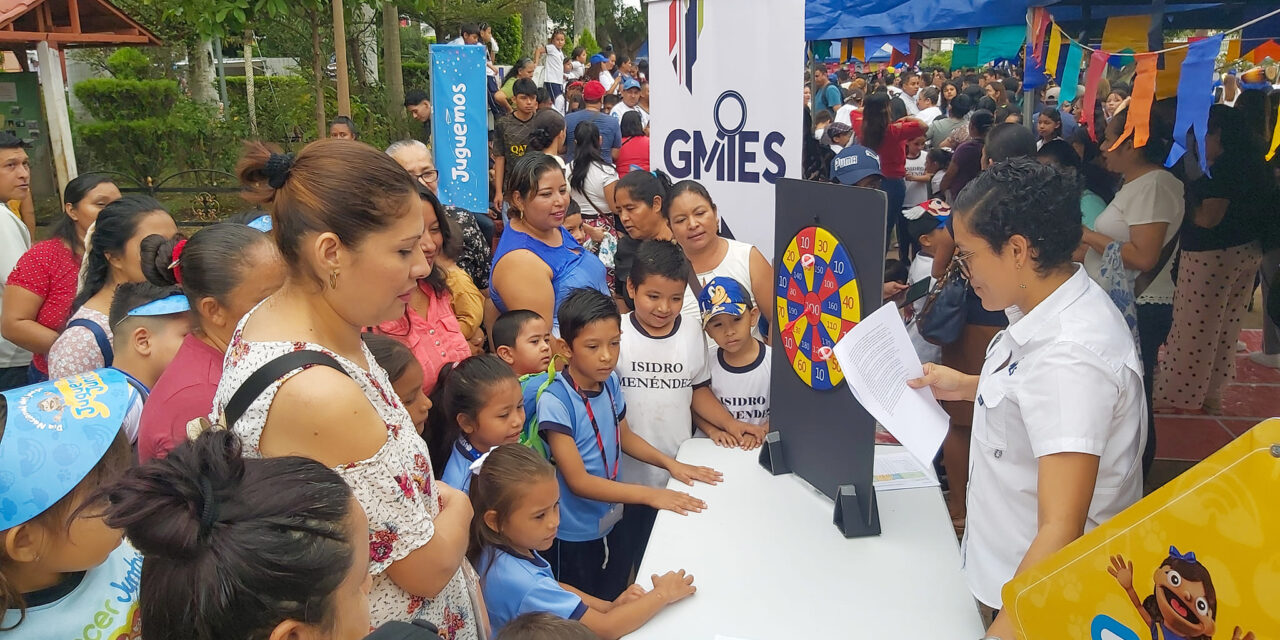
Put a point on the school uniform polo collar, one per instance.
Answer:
(586, 392)
(635, 322)
(1028, 326)
(536, 560)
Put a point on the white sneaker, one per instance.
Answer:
(1241, 346)
(1266, 359)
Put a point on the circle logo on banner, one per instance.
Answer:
(724, 114)
(818, 302)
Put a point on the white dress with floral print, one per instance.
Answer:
(395, 486)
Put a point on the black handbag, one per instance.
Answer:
(941, 320)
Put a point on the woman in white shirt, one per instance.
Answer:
(1144, 217)
(695, 225)
(1058, 420)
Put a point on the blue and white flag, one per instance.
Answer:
(460, 131)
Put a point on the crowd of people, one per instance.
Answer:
(356, 405)
(1060, 267)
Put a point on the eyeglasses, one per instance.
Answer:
(962, 260)
(428, 176)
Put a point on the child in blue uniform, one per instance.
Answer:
(66, 574)
(582, 416)
(484, 407)
(514, 497)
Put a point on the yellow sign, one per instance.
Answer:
(1197, 559)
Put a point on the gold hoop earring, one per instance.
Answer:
(333, 279)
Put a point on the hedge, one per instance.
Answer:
(110, 99)
(284, 105)
(417, 75)
(190, 136)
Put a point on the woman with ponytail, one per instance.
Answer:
(243, 549)
(112, 257)
(225, 270)
(351, 229)
(37, 300)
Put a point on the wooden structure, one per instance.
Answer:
(52, 26)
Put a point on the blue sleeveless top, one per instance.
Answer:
(572, 267)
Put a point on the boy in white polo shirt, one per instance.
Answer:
(663, 371)
(739, 362)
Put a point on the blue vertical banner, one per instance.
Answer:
(460, 131)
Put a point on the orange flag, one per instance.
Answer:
(1144, 90)
(1268, 49)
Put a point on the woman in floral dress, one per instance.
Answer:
(349, 223)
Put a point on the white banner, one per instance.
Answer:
(727, 92)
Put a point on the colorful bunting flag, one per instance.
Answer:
(1268, 49)
(1097, 65)
(1167, 78)
(1126, 32)
(1055, 48)
(1138, 122)
(853, 49)
(964, 56)
(1034, 78)
(1001, 43)
(1233, 50)
(1071, 73)
(1275, 138)
(900, 43)
(1040, 23)
(1194, 99)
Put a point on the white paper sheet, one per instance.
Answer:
(877, 359)
(896, 468)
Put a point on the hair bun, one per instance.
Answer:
(161, 505)
(277, 169)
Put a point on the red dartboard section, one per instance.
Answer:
(817, 297)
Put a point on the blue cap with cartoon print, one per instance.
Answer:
(54, 434)
(720, 296)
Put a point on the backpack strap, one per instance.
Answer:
(268, 374)
(99, 336)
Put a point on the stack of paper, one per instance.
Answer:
(896, 468)
(877, 359)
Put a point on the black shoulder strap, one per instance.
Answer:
(1145, 278)
(99, 336)
(273, 370)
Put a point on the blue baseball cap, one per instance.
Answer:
(54, 435)
(722, 296)
(854, 163)
(597, 58)
(630, 83)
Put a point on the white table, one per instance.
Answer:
(769, 564)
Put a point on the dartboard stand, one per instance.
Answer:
(829, 268)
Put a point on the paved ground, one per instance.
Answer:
(1183, 440)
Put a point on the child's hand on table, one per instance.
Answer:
(724, 439)
(633, 593)
(673, 586)
(687, 473)
(679, 502)
(751, 442)
(740, 429)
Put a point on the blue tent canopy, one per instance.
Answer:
(838, 19)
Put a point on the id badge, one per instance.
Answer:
(610, 518)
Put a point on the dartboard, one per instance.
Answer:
(817, 304)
